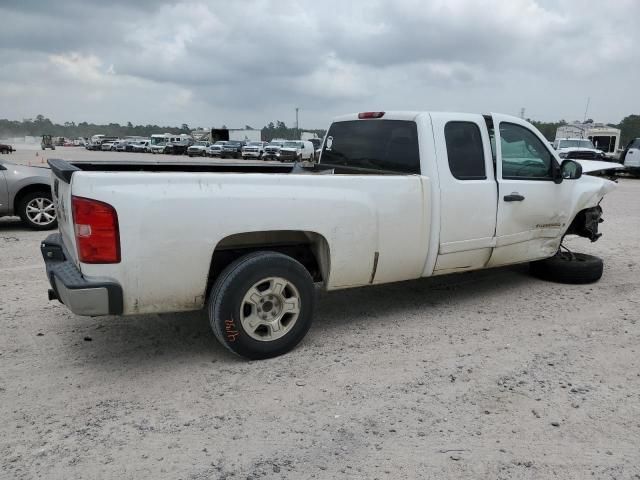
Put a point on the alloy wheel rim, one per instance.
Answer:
(41, 211)
(270, 309)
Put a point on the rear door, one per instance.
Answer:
(532, 209)
(468, 191)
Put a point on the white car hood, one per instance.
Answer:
(595, 165)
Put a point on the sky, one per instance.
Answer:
(249, 62)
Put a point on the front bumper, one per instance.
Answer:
(81, 296)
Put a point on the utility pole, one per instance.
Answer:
(522, 113)
(297, 125)
(586, 110)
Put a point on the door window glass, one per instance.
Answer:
(465, 150)
(524, 155)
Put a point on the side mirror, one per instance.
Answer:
(571, 170)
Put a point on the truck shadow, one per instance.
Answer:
(147, 341)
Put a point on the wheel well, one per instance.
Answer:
(34, 187)
(309, 248)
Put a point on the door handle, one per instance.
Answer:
(514, 197)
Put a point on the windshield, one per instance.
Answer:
(276, 144)
(202, 144)
(579, 143)
(292, 144)
(255, 144)
(157, 140)
(220, 142)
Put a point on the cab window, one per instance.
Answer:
(465, 150)
(524, 155)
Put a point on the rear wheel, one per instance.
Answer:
(569, 267)
(37, 211)
(261, 305)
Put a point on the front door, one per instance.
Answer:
(533, 211)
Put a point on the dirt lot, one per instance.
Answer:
(491, 374)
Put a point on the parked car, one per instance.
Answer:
(253, 150)
(233, 148)
(108, 146)
(297, 151)
(630, 158)
(272, 150)
(4, 148)
(140, 146)
(26, 192)
(198, 149)
(578, 148)
(215, 150)
(47, 142)
(121, 146)
(388, 199)
(158, 148)
(179, 147)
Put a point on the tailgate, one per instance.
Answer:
(61, 181)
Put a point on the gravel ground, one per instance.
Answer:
(490, 374)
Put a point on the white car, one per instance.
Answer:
(297, 151)
(141, 146)
(578, 148)
(108, 146)
(253, 150)
(158, 148)
(397, 196)
(631, 157)
(216, 149)
(198, 149)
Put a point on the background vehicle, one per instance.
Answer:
(198, 149)
(140, 146)
(215, 150)
(233, 149)
(158, 147)
(297, 151)
(386, 209)
(578, 148)
(179, 147)
(253, 150)
(107, 146)
(631, 157)
(26, 192)
(47, 142)
(603, 137)
(4, 148)
(272, 150)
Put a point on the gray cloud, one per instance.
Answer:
(214, 62)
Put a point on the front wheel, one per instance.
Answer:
(261, 305)
(37, 211)
(568, 267)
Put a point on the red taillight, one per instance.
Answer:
(96, 228)
(364, 115)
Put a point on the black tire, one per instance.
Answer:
(573, 268)
(226, 300)
(22, 211)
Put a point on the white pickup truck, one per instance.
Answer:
(396, 196)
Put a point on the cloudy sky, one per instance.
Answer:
(208, 63)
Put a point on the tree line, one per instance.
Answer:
(41, 125)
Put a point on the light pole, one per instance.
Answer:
(297, 125)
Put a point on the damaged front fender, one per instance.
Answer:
(586, 222)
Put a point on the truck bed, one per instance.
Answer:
(64, 169)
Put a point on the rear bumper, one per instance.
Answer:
(81, 296)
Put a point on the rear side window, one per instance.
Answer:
(387, 145)
(465, 150)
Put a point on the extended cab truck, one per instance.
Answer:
(397, 196)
